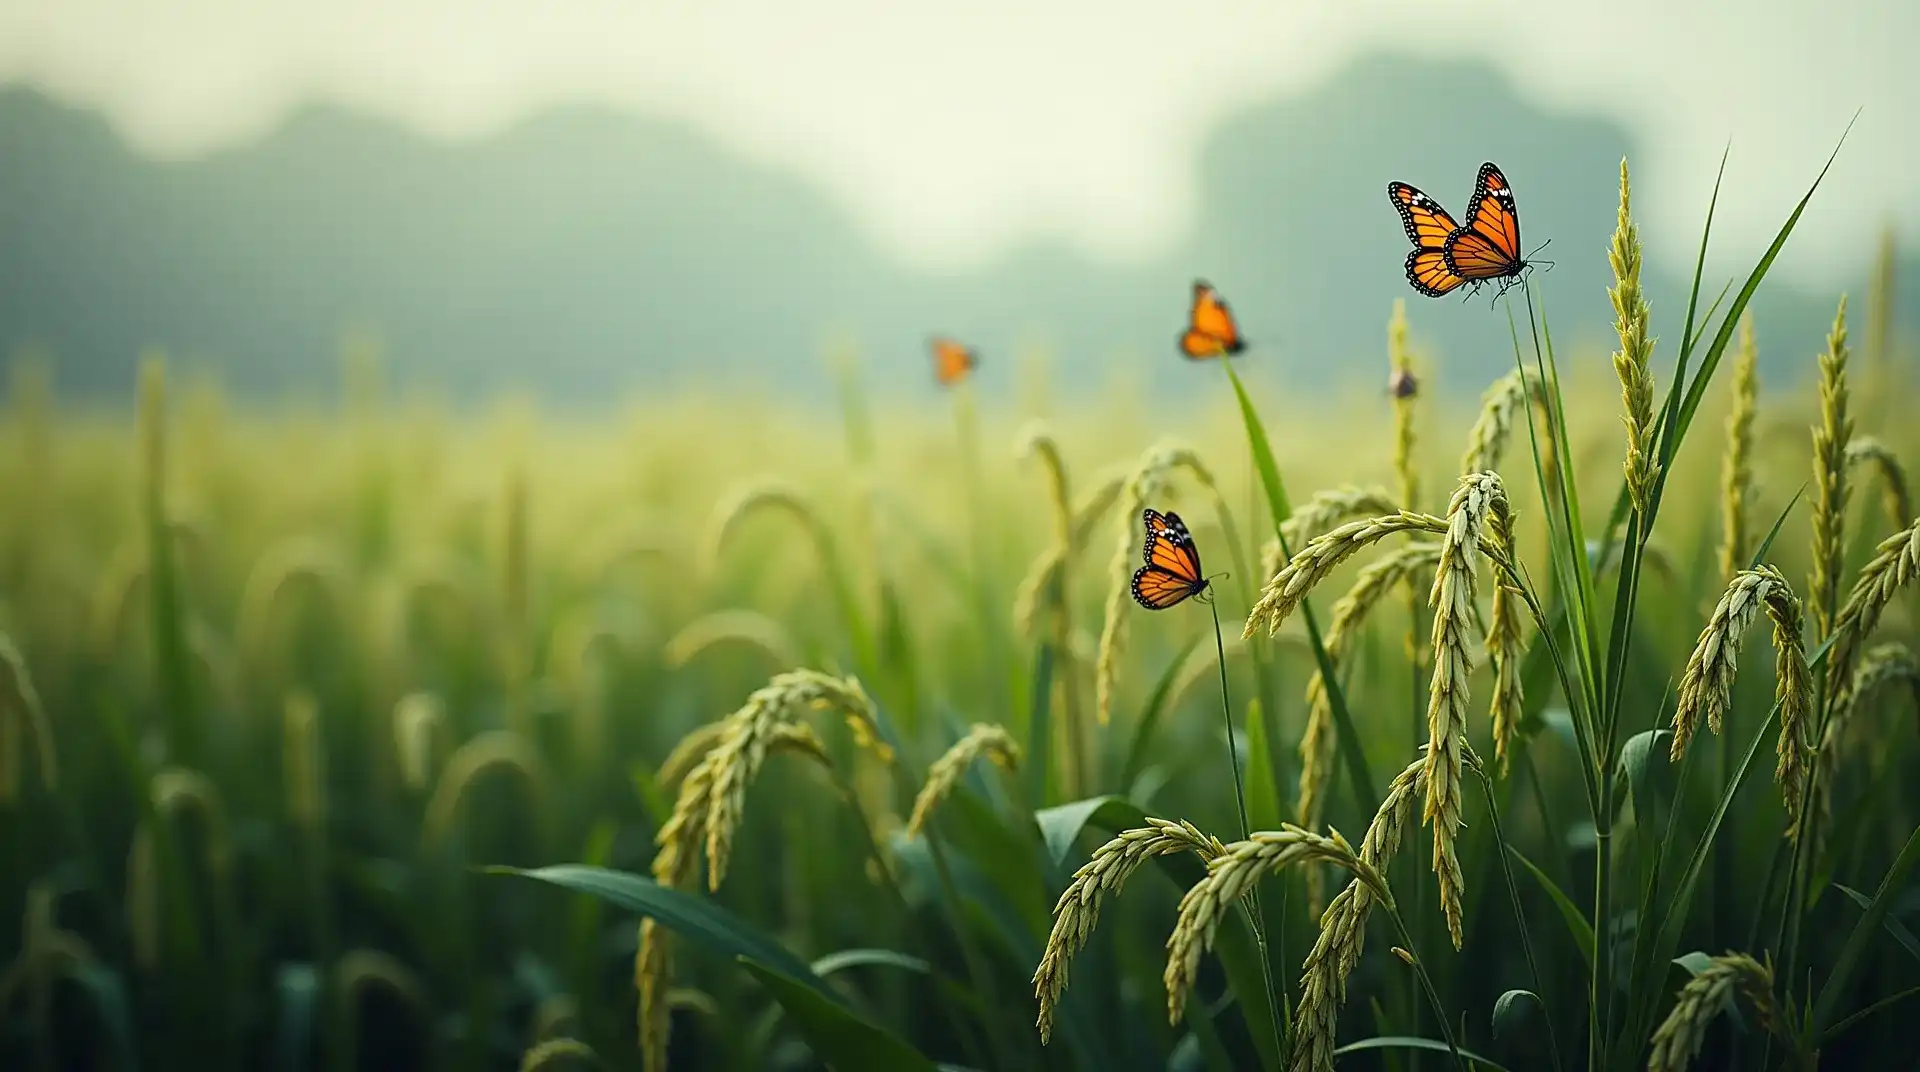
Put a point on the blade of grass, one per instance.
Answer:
(1865, 931)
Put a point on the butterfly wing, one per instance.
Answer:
(1172, 569)
(1428, 272)
(1487, 246)
(1428, 227)
(952, 361)
(1211, 330)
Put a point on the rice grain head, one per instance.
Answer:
(1869, 451)
(1037, 442)
(492, 752)
(983, 738)
(1104, 875)
(1327, 508)
(1475, 507)
(21, 713)
(1736, 464)
(688, 752)
(1406, 467)
(746, 628)
(558, 1053)
(1323, 554)
(419, 724)
(1504, 400)
(1678, 1038)
(1632, 363)
(1232, 875)
(1706, 686)
(1505, 649)
(762, 496)
(1894, 563)
(1830, 439)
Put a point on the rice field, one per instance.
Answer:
(1571, 729)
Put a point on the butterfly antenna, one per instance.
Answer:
(1546, 266)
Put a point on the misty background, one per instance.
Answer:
(587, 250)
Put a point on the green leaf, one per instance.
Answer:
(1410, 1042)
(1642, 774)
(1760, 552)
(706, 924)
(1863, 933)
(1040, 725)
(1894, 927)
(1263, 793)
(839, 1038)
(1694, 962)
(1060, 826)
(861, 958)
(1510, 1012)
(1140, 748)
(1577, 924)
(1276, 489)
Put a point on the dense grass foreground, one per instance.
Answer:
(854, 751)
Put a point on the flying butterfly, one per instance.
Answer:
(1447, 254)
(1172, 570)
(1211, 331)
(952, 361)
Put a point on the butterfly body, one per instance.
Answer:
(952, 361)
(1171, 573)
(1211, 330)
(1448, 255)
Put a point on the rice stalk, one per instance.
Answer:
(1492, 430)
(286, 567)
(1830, 439)
(1883, 665)
(360, 972)
(1147, 484)
(1293, 582)
(495, 751)
(1405, 394)
(1053, 561)
(982, 739)
(1505, 650)
(1480, 499)
(1679, 1037)
(1103, 875)
(1706, 687)
(419, 725)
(1327, 508)
(1343, 929)
(767, 496)
(746, 628)
(1632, 363)
(21, 713)
(688, 752)
(557, 1053)
(1736, 464)
(1894, 563)
(1037, 442)
(1233, 874)
(1882, 297)
(1200, 671)
(303, 759)
(516, 602)
(1869, 451)
(47, 955)
(1319, 742)
(164, 597)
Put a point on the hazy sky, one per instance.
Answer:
(957, 129)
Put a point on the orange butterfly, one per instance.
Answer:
(1211, 331)
(1172, 572)
(1447, 254)
(952, 362)
(1487, 246)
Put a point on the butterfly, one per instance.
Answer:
(1447, 254)
(952, 362)
(1211, 331)
(1172, 570)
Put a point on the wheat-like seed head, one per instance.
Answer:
(419, 722)
(178, 790)
(1051, 564)
(1866, 450)
(1310, 565)
(747, 628)
(982, 739)
(1736, 465)
(558, 1053)
(1336, 950)
(1406, 468)
(1327, 508)
(1633, 361)
(1103, 876)
(1475, 508)
(1319, 741)
(495, 751)
(1505, 650)
(360, 971)
(285, 568)
(1707, 684)
(761, 496)
(1233, 874)
(1678, 1038)
(1037, 442)
(1147, 484)
(1830, 439)
(20, 710)
(1894, 563)
(1493, 429)
(688, 752)
(1793, 688)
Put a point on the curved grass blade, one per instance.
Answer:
(1577, 924)
(1143, 730)
(1060, 826)
(836, 1036)
(1412, 1042)
(862, 958)
(1863, 933)
(1894, 927)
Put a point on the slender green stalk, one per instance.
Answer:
(1513, 895)
(1259, 913)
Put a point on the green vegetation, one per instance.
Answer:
(368, 738)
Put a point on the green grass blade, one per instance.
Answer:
(867, 958)
(1864, 932)
(1143, 730)
(1039, 757)
(1410, 1042)
(1577, 925)
(835, 1034)
(1894, 927)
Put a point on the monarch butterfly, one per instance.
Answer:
(1172, 570)
(1211, 331)
(1447, 254)
(952, 362)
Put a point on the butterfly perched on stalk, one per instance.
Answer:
(1172, 570)
(952, 361)
(1211, 331)
(1447, 254)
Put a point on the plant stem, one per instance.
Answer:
(1246, 831)
(1426, 983)
(1519, 917)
